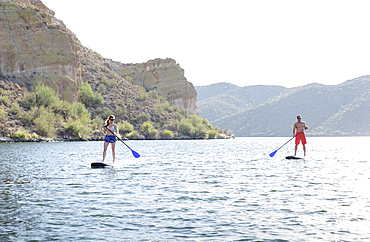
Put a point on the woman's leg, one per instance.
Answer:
(105, 150)
(113, 151)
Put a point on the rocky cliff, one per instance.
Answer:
(164, 76)
(35, 46)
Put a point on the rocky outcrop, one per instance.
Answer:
(166, 77)
(35, 46)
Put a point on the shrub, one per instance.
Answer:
(4, 100)
(97, 123)
(6, 92)
(185, 127)
(199, 132)
(143, 117)
(176, 108)
(77, 128)
(133, 135)
(148, 129)
(45, 122)
(21, 134)
(167, 106)
(158, 110)
(206, 123)
(28, 100)
(28, 118)
(80, 112)
(167, 133)
(142, 95)
(212, 134)
(63, 108)
(112, 75)
(175, 124)
(2, 114)
(153, 94)
(162, 99)
(113, 83)
(90, 98)
(184, 112)
(45, 96)
(15, 109)
(178, 116)
(101, 88)
(196, 120)
(107, 113)
(125, 127)
(120, 112)
(96, 67)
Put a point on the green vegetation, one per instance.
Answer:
(143, 117)
(24, 134)
(133, 135)
(125, 127)
(50, 115)
(90, 98)
(142, 95)
(2, 114)
(15, 109)
(167, 133)
(148, 129)
(4, 100)
(45, 95)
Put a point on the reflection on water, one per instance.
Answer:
(217, 190)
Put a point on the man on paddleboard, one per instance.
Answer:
(298, 127)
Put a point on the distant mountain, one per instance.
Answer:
(334, 110)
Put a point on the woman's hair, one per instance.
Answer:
(107, 122)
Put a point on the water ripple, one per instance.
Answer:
(217, 190)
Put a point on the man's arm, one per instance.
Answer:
(304, 126)
(294, 127)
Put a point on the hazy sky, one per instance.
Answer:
(268, 42)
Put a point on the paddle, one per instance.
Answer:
(273, 153)
(134, 153)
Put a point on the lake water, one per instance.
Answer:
(211, 190)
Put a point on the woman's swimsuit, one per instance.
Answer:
(110, 138)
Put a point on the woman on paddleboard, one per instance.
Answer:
(111, 131)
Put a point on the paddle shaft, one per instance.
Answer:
(289, 140)
(117, 137)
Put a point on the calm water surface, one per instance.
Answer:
(215, 190)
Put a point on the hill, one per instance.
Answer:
(48, 77)
(334, 110)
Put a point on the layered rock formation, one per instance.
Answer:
(164, 76)
(35, 46)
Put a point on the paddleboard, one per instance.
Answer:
(99, 165)
(293, 158)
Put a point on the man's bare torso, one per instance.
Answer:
(299, 126)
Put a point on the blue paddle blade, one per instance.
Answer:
(273, 153)
(135, 154)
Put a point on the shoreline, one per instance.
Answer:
(40, 140)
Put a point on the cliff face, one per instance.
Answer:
(164, 76)
(35, 46)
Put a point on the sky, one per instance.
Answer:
(261, 42)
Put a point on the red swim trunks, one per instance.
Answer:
(300, 137)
